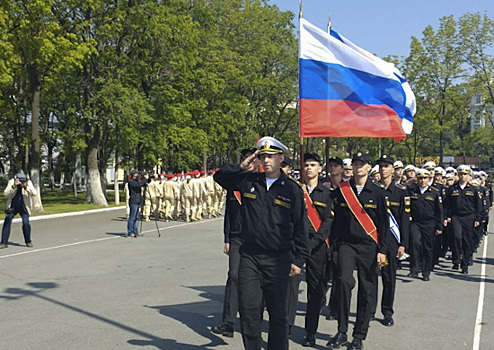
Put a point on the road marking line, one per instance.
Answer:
(59, 246)
(100, 239)
(480, 307)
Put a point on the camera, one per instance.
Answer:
(22, 180)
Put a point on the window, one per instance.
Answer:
(478, 99)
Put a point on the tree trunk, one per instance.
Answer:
(37, 206)
(115, 181)
(94, 192)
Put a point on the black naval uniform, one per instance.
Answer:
(356, 249)
(427, 217)
(479, 230)
(275, 235)
(463, 207)
(440, 240)
(231, 231)
(315, 271)
(399, 204)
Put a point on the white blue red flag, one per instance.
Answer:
(346, 91)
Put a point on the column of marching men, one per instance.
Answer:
(188, 196)
(358, 217)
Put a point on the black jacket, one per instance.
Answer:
(231, 225)
(464, 202)
(346, 228)
(426, 207)
(398, 202)
(135, 192)
(271, 221)
(323, 202)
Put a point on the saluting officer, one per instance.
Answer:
(399, 217)
(360, 226)
(233, 241)
(275, 241)
(426, 223)
(464, 212)
(319, 219)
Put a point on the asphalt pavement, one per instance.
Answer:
(86, 286)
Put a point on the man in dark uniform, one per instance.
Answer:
(360, 226)
(332, 273)
(319, 217)
(463, 212)
(275, 241)
(478, 231)
(439, 240)
(135, 200)
(488, 199)
(399, 207)
(231, 229)
(427, 222)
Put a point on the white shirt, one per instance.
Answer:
(462, 186)
(423, 189)
(359, 189)
(269, 182)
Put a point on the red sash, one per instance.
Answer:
(313, 215)
(358, 211)
(238, 196)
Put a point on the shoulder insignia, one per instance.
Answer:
(434, 188)
(327, 185)
(378, 184)
(400, 186)
(474, 184)
(296, 181)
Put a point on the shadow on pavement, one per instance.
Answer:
(199, 316)
(147, 339)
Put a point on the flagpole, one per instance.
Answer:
(326, 140)
(302, 175)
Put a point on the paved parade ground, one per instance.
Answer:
(85, 286)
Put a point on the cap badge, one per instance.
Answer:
(359, 154)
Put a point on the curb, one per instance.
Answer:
(62, 215)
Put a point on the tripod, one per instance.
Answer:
(142, 211)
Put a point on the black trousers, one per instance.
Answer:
(462, 227)
(334, 296)
(292, 298)
(364, 258)
(230, 304)
(422, 235)
(263, 275)
(315, 277)
(388, 277)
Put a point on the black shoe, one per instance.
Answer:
(357, 344)
(310, 340)
(388, 321)
(426, 278)
(225, 329)
(338, 340)
(464, 270)
(456, 267)
(332, 316)
(413, 274)
(470, 263)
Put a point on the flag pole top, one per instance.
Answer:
(329, 21)
(300, 9)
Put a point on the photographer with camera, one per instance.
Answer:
(135, 199)
(18, 193)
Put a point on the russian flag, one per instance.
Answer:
(346, 91)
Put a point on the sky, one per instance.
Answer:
(383, 27)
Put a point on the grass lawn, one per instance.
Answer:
(65, 202)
